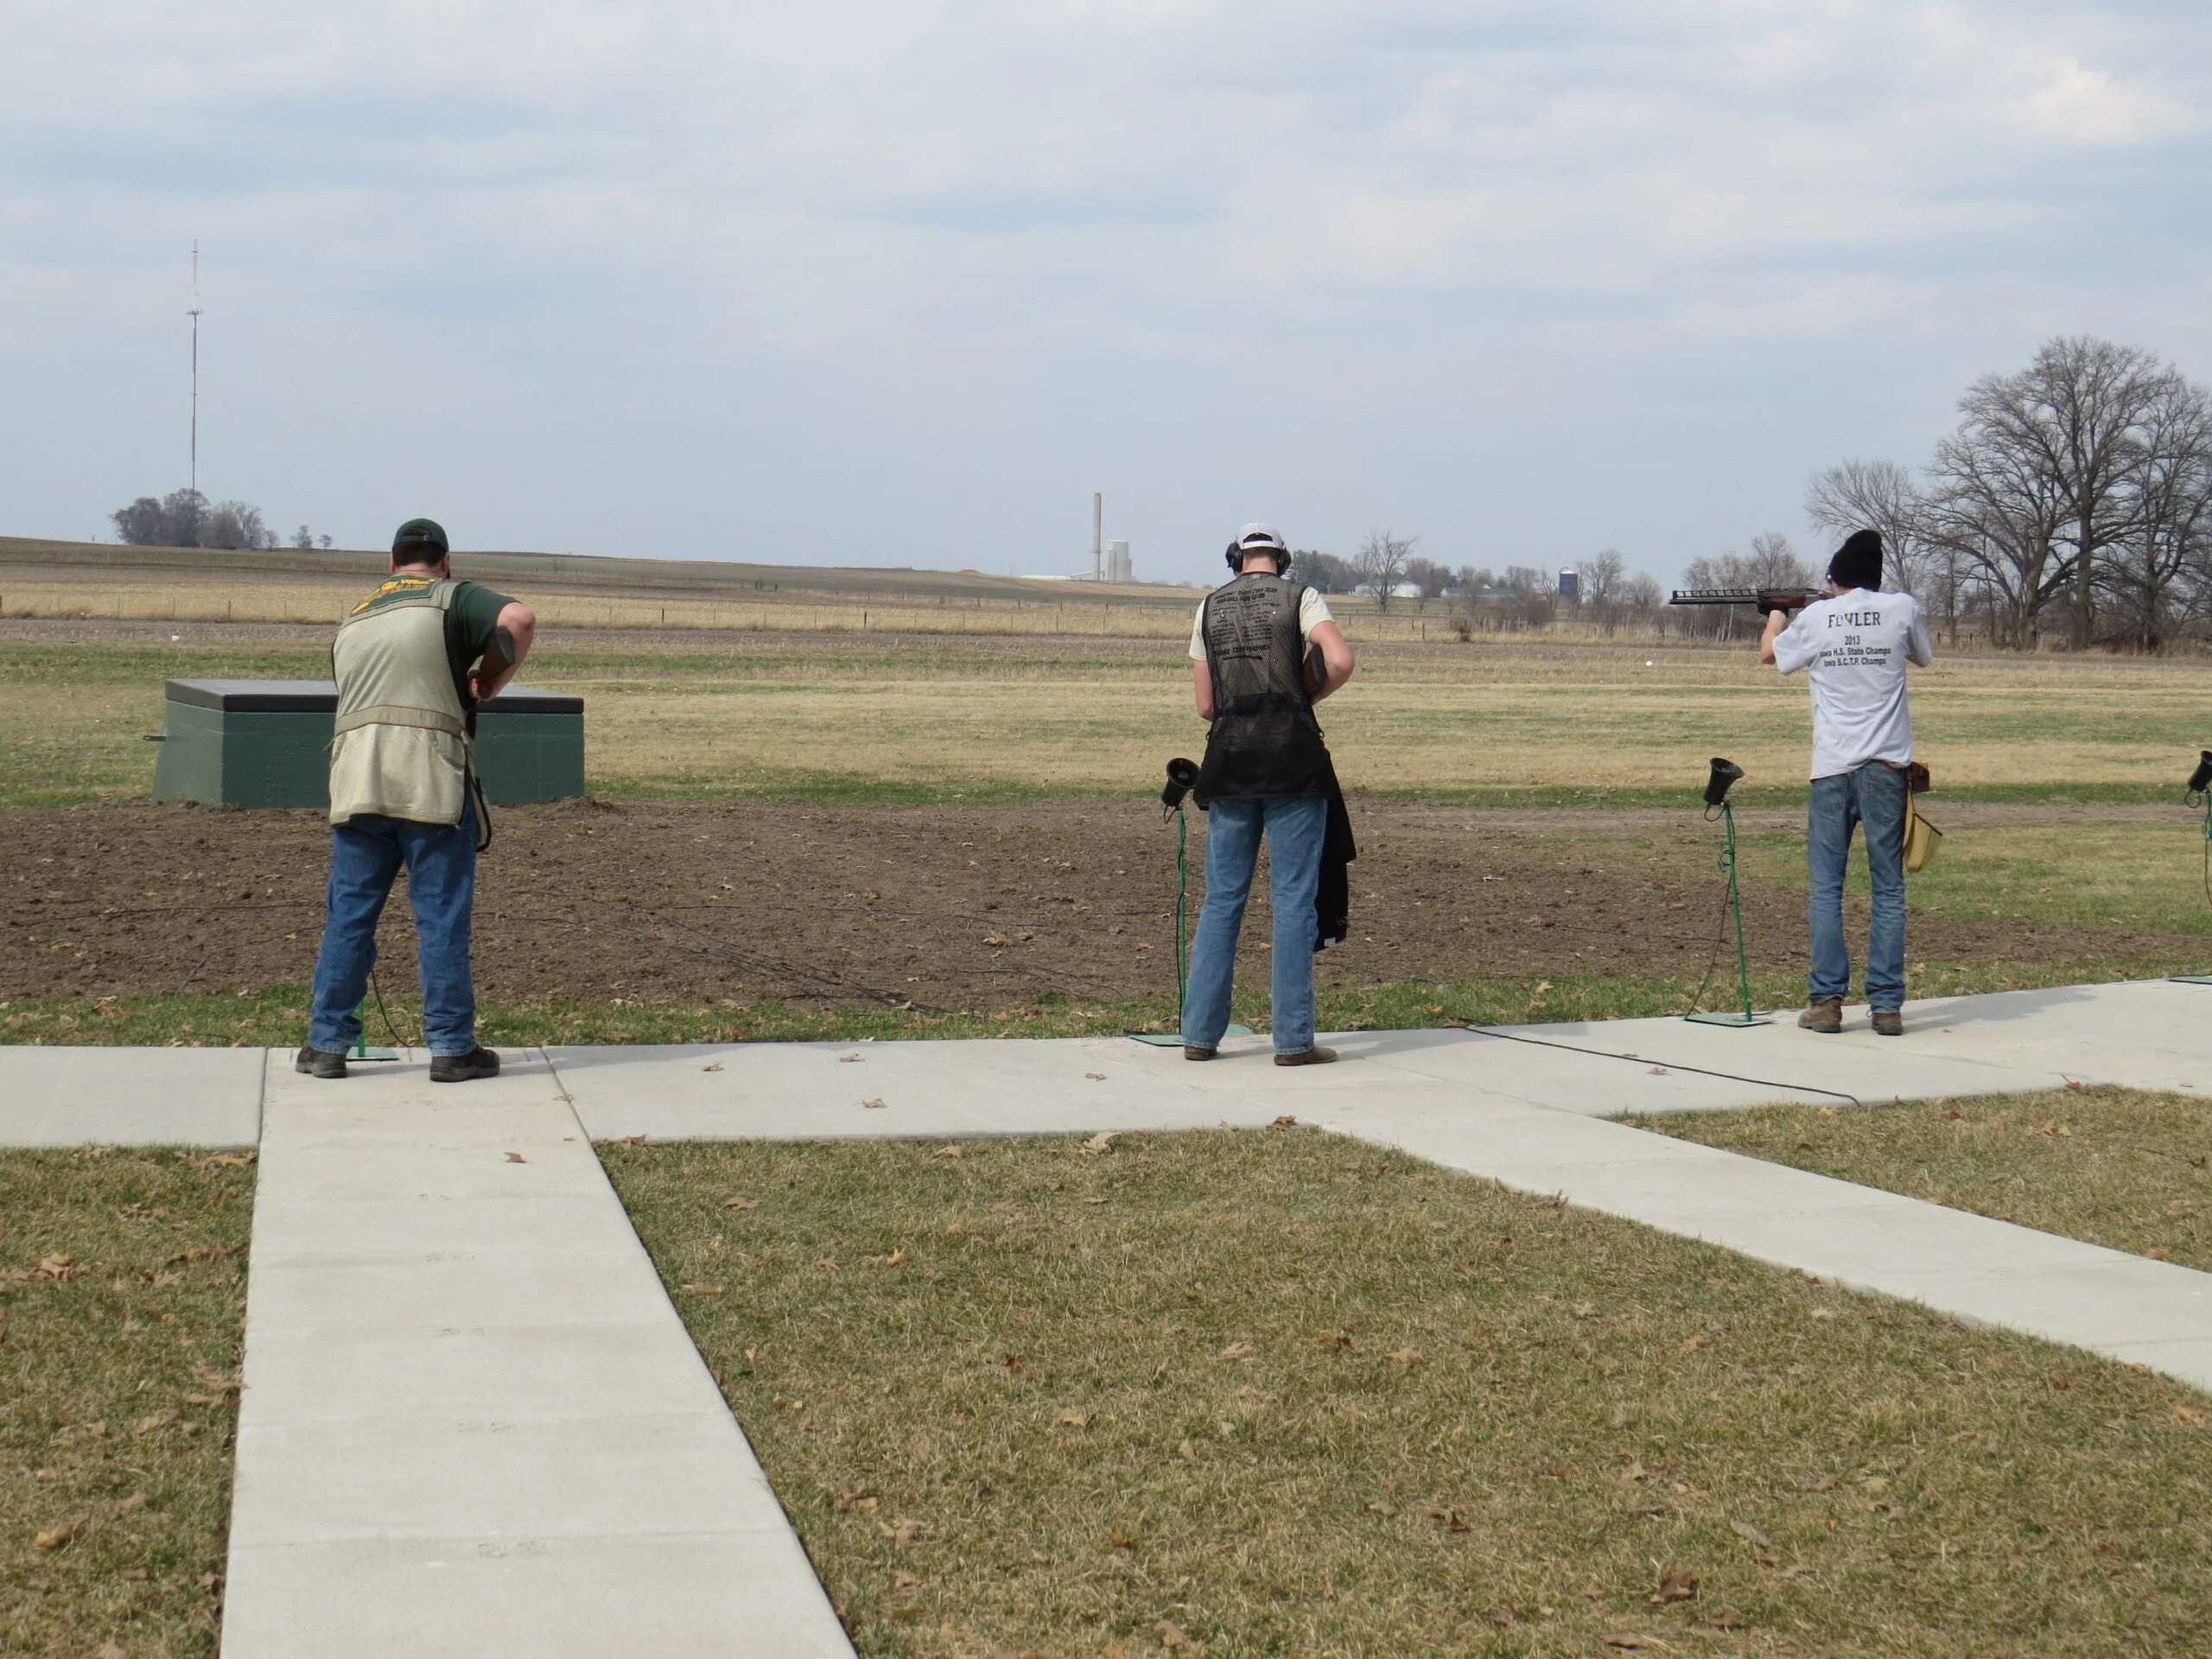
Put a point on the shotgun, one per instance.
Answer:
(1766, 599)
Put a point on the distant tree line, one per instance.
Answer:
(2073, 502)
(188, 519)
(1522, 597)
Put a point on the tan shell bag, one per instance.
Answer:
(1922, 838)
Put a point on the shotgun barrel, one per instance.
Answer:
(1764, 598)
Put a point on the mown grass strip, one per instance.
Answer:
(1279, 1392)
(121, 1307)
(276, 1015)
(2128, 1168)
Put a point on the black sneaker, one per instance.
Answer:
(478, 1062)
(320, 1062)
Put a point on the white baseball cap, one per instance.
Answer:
(1254, 538)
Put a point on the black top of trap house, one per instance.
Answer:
(321, 697)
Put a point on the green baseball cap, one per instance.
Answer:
(419, 536)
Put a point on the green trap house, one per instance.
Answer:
(267, 743)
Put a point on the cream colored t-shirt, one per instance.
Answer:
(1313, 612)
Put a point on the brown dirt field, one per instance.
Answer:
(951, 908)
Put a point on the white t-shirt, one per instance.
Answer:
(1313, 612)
(1856, 645)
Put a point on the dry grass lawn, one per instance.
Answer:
(122, 1303)
(940, 714)
(2124, 1168)
(1246, 1393)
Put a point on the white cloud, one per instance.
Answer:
(871, 272)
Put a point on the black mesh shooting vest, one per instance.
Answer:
(1265, 741)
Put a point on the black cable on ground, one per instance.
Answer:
(384, 1013)
(1640, 1059)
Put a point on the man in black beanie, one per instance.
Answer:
(1856, 641)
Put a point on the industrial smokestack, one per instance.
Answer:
(1097, 531)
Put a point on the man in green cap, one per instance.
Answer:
(412, 661)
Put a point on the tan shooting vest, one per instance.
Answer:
(401, 745)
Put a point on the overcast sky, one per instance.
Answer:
(904, 282)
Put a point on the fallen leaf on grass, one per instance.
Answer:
(1403, 1356)
(55, 1537)
(1078, 1419)
(902, 1532)
(1336, 1340)
(1376, 1506)
(741, 1203)
(702, 1290)
(946, 1152)
(1172, 1636)
(1675, 1584)
(829, 1261)
(1692, 1344)
(2190, 1416)
(2159, 1253)
(201, 1253)
(1452, 1519)
(159, 1420)
(1093, 1199)
(1638, 1642)
(58, 1267)
(1238, 1350)
(209, 1399)
(1744, 1529)
(1098, 1143)
(894, 1258)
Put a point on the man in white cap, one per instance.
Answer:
(1266, 772)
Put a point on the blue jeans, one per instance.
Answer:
(366, 853)
(1872, 797)
(1294, 827)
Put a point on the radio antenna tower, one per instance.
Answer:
(194, 314)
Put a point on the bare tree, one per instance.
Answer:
(1324, 572)
(1382, 560)
(2161, 569)
(235, 524)
(1429, 576)
(1603, 572)
(1879, 495)
(2066, 435)
(173, 520)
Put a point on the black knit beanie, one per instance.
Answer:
(1858, 562)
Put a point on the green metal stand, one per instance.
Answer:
(2201, 979)
(361, 1051)
(1174, 1039)
(1733, 1017)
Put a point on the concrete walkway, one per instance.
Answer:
(473, 1423)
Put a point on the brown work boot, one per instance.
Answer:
(1316, 1055)
(1889, 1022)
(1825, 1015)
(1192, 1051)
